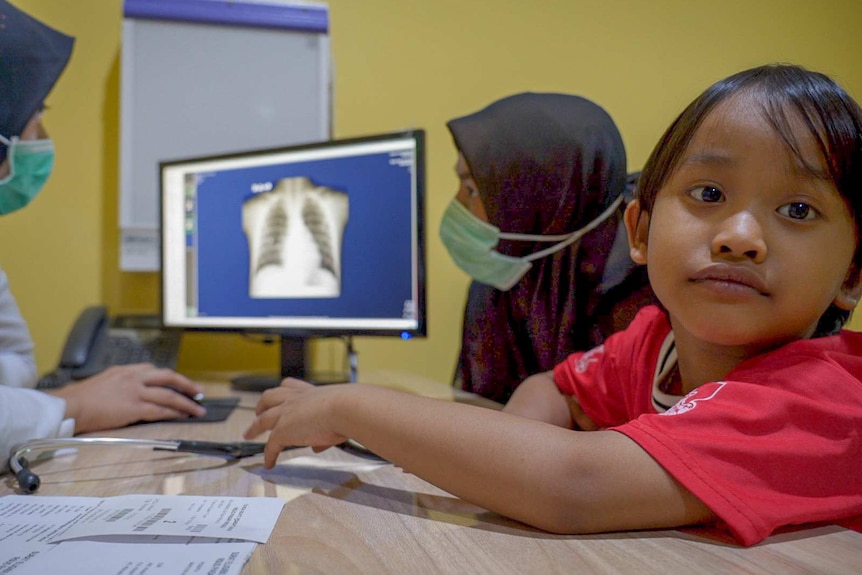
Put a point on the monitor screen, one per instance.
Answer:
(318, 239)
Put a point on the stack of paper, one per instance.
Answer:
(132, 534)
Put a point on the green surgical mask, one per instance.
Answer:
(30, 164)
(471, 243)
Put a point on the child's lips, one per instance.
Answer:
(732, 277)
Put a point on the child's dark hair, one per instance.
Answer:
(833, 119)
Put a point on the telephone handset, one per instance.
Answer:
(88, 334)
(97, 341)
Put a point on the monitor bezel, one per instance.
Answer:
(420, 330)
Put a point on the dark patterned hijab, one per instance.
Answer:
(545, 164)
(32, 57)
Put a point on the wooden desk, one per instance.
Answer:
(338, 520)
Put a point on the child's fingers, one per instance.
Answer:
(269, 399)
(263, 422)
(270, 453)
(289, 388)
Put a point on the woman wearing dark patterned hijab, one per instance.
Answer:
(534, 224)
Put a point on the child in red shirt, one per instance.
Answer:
(735, 404)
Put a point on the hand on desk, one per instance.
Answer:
(123, 395)
(295, 413)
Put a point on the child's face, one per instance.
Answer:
(745, 246)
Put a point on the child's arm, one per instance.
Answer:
(539, 398)
(553, 478)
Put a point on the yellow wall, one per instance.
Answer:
(400, 63)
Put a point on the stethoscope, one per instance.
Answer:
(29, 482)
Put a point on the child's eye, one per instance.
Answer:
(798, 211)
(707, 194)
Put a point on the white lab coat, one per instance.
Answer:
(24, 413)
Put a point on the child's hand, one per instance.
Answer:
(297, 414)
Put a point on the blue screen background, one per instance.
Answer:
(377, 266)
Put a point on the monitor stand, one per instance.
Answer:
(293, 364)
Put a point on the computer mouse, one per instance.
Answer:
(197, 397)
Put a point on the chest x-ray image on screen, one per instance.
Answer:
(294, 234)
(324, 239)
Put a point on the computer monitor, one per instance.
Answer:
(324, 239)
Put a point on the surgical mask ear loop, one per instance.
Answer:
(568, 239)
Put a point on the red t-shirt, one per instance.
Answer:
(777, 443)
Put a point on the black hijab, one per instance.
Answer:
(545, 164)
(32, 57)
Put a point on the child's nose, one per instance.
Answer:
(740, 236)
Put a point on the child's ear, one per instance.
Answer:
(849, 294)
(637, 225)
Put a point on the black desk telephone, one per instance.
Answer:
(97, 342)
